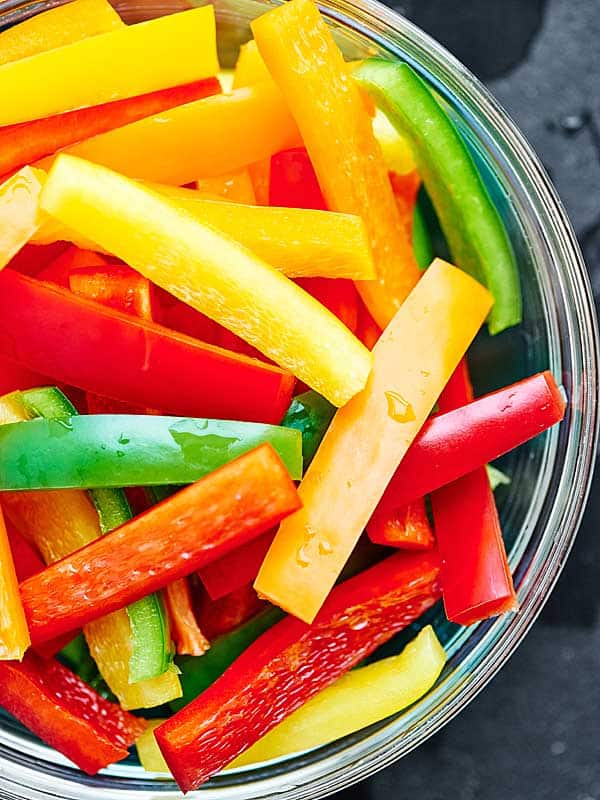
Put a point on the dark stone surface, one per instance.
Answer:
(534, 733)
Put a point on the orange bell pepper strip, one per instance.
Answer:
(237, 187)
(308, 67)
(198, 140)
(19, 213)
(111, 66)
(14, 634)
(407, 527)
(260, 175)
(58, 27)
(370, 435)
(211, 273)
(186, 633)
(169, 541)
(300, 242)
(250, 68)
(59, 523)
(26, 142)
(60, 269)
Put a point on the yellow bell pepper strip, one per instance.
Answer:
(14, 634)
(197, 140)
(19, 215)
(300, 242)
(369, 437)
(151, 759)
(111, 66)
(211, 273)
(236, 187)
(308, 67)
(396, 151)
(58, 523)
(358, 699)
(58, 27)
(250, 68)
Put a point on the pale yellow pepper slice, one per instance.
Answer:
(58, 27)
(19, 211)
(125, 62)
(210, 272)
(58, 523)
(14, 633)
(413, 360)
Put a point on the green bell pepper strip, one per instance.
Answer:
(475, 232)
(422, 246)
(116, 450)
(199, 672)
(152, 650)
(310, 414)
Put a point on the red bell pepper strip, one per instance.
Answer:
(238, 568)
(33, 258)
(26, 142)
(218, 617)
(293, 661)
(338, 295)
(14, 376)
(294, 182)
(26, 558)
(452, 444)
(133, 360)
(115, 286)
(198, 524)
(475, 573)
(367, 330)
(188, 636)
(66, 713)
(59, 270)
(407, 527)
(183, 318)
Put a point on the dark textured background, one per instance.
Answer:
(534, 733)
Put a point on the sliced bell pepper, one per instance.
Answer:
(59, 270)
(19, 211)
(112, 451)
(115, 286)
(294, 182)
(311, 414)
(367, 330)
(189, 638)
(360, 698)
(292, 662)
(421, 239)
(59, 523)
(26, 142)
(250, 69)
(260, 174)
(14, 636)
(338, 295)
(370, 435)
(151, 641)
(26, 557)
(407, 527)
(475, 572)
(31, 259)
(200, 523)
(111, 66)
(210, 272)
(236, 187)
(66, 713)
(149, 755)
(58, 27)
(198, 140)
(238, 568)
(156, 366)
(328, 106)
(453, 444)
(396, 150)
(14, 376)
(197, 674)
(218, 617)
(471, 223)
(183, 318)
(298, 241)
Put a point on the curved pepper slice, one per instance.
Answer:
(66, 713)
(19, 211)
(474, 230)
(292, 662)
(57, 27)
(210, 272)
(111, 66)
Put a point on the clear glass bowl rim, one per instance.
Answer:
(558, 250)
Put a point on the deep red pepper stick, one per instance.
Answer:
(475, 574)
(293, 661)
(78, 342)
(236, 569)
(407, 527)
(171, 540)
(66, 713)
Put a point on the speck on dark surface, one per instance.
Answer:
(534, 733)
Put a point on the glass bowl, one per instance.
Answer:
(540, 510)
